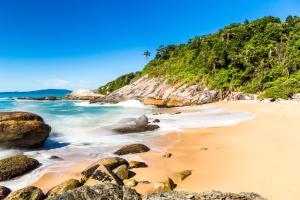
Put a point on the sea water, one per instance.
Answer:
(84, 130)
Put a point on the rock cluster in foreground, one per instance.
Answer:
(22, 129)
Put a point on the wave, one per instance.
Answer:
(128, 103)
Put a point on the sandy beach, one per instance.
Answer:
(259, 155)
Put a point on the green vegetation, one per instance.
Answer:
(262, 57)
(118, 83)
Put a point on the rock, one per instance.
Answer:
(137, 164)
(296, 97)
(111, 163)
(132, 149)
(180, 176)
(63, 187)
(82, 95)
(156, 121)
(4, 191)
(144, 182)
(130, 182)
(141, 121)
(176, 113)
(121, 172)
(164, 186)
(237, 96)
(103, 175)
(99, 192)
(22, 129)
(203, 148)
(53, 157)
(214, 195)
(28, 193)
(154, 102)
(50, 98)
(15, 166)
(167, 155)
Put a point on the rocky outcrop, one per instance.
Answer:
(63, 187)
(132, 149)
(4, 192)
(140, 124)
(160, 92)
(214, 195)
(22, 129)
(16, 166)
(28, 193)
(101, 192)
(83, 95)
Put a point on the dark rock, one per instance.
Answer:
(53, 157)
(214, 195)
(50, 98)
(63, 187)
(137, 164)
(4, 191)
(22, 129)
(15, 166)
(99, 192)
(132, 149)
(156, 121)
(176, 113)
(28, 193)
(167, 155)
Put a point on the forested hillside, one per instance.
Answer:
(261, 57)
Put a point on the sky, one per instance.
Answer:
(82, 44)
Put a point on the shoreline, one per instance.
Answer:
(258, 155)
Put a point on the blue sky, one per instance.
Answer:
(85, 43)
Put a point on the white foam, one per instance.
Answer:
(128, 104)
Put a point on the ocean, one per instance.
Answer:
(83, 130)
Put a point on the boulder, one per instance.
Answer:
(110, 163)
(154, 102)
(15, 166)
(99, 192)
(83, 95)
(22, 129)
(214, 195)
(121, 172)
(130, 182)
(4, 191)
(237, 96)
(132, 149)
(180, 176)
(141, 121)
(137, 164)
(63, 187)
(296, 97)
(164, 186)
(28, 193)
(103, 175)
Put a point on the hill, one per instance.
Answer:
(258, 57)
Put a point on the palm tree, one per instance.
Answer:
(147, 54)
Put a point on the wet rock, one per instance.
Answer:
(141, 121)
(100, 192)
(121, 172)
(176, 113)
(137, 164)
(15, 166)
(132, 149)
(164, 186)
(110, 163)
(22, 129)
(53, 157)
(167, 155)
(28, 193)
(4, 191)
(180, 176)
(63, 187)
(103, 175)
(156, 121)
(130, 182)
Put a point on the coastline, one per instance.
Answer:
(258, 155)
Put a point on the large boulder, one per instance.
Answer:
(214, 195)
(28, 193)
(111, 163)
(82, 95)
(15, 166)
(22, 129)
(99, 192)
(63, 187)
(132, 149)
(164, 186)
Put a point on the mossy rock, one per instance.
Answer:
(132, 149)
(180, 176)
(130, 182)
(121, 172)
(164, 186)
(137, 164)
(15, 166)
(63, 187)
(28, 193)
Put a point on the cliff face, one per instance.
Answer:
(159, 92)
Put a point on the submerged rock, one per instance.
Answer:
(132, 149)
(22, 129)
(28, 193)
(4, 191)
(63, 187)
(15, 166)
(100, 192)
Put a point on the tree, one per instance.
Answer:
(147, 54)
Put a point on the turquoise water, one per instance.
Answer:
(35, 94)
